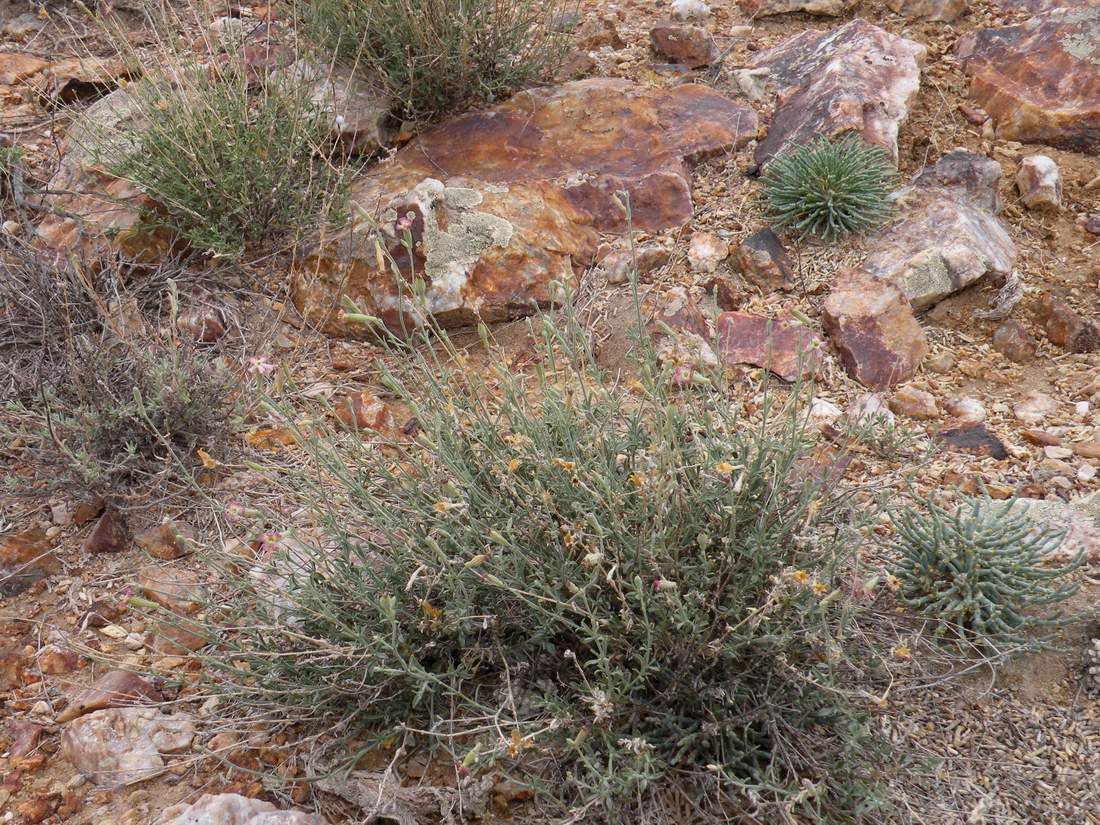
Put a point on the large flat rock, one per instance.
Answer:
(1040, 80)
(946, 234)
(857, 77)
(501, 204)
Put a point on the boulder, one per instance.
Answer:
(688, 45)
(938, 11)
(233, 809)
(122, 745)
(1040, 79)
(945, 236)
(784, 346)
(767, 8)
(501, 206)
(762, 260)
(1039, 183)
(872, 328)
(856, 77)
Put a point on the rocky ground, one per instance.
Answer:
(972, 319)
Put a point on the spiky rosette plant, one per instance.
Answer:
(982, 570)
(830, 188)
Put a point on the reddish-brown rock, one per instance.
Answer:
(116, 688)
(975, 439)
(873, 330)
(501, 204)
(1012, 340)
(1065, 328)
(785, 346)
(201, 323)
(25, 557)
(23, 737)
(942, 11)
(600, 32)
(12, 667)
(618, 265)
(691, 46)
(167, 541)
(109, 535)
(176, 590)
(1040, 79)
(364, 411)
(54, 661)
(762, 260)
(855, 77)
(914, 403)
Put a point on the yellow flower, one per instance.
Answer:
(820, 588)
(724, 468)
(637, 479)
(903, 652)
(801, 576)
(568, 466)
(443, 506)
(514, 464)
(893, 582)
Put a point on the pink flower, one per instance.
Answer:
(269, 542)
(259, 365)
(234, 512)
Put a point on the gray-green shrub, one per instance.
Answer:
(435, 57)
(630, 598)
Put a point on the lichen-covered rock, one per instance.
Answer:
(122, 745)
(767, 8)
(233, 809)
(945, 236)
(502, 204)
(1040, 79)
(1039, 183)
(784, 346)
(873, 330)
(942, 11)
(855, 77)
(706, 251)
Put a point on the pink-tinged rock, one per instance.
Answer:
(873, 330)
(179, 636)
(680, 332)
(869, 408)
(1040, 79)
(54, 661)
(504, 203)
(784, 346)
(1064, 327)
(1034, 407)
(691, 46)
(706, 251)
(914, 403)
(168, 541)
(25, 558)
(1039, 183)
(174, 589)
(646, 257)
(1013, 340)
(364, 411)
(23, 737)
(233, 809)
(109, 535)
(116, 688)
(937, 11)
(857, 77)
(965, 410)
(945, 235)
(762, 260)
(767, 8)
(123, 745)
